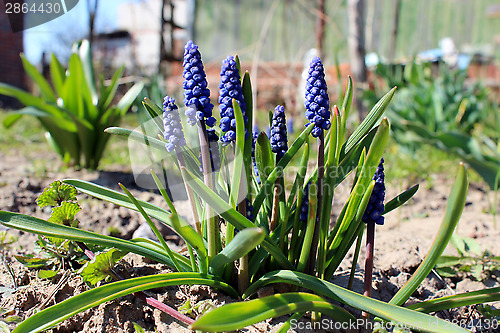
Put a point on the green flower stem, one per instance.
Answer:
(370, 243)
(275, 210)
(308, 237)
(189, 192)
(356, 255)
(212, 227)
(300, 194)
(319, 189)
(243, 269)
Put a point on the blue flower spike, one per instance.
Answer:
(279, 143)
(317, 102)
(196, 92)
(172, 125)
(375, 207)
(229, 89)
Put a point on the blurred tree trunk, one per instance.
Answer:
(92, 8)
(394, 35)
(320, 27)
(357, 52)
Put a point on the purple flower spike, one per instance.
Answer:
(375, 207)
(196, 93)
(172, 125)
(279, 143)
(229, 89)
(317, 102)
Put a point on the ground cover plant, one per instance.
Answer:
(73, 109)
(437, 106)
(247, 230)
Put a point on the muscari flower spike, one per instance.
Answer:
(172, 125)
(229, 88)
(279, 143)
(317, 102)
(304, 206)
(196, 93)
(375, 207)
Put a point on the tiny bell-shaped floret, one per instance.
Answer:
(172, 125)
(375, 207)
(196, 92)
(229, 89)
(279, 143)
(317, 102)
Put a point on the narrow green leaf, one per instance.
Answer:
(42, 84)
(46, 274)
(136, 136)
(378, 308)
(449, 302)
(126, 101)
(370, 120)
(49, 229)
(401, 199)
(57, 74)
(153, 227)
(231, 215)
(265, 191)
(109, 92)
(263, 156)
(92, 298)
(179, 225)
(235, 316)
(454, 208)
(238, 174)
(85, 55)
(244, 242)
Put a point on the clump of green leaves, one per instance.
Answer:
(73, 108)
(435, 105)
(238, 249)
(471, 260)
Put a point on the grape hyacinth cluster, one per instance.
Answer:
(213, 148)
(304, 206)
(229, 88)
(172, 125)
(196, 92)
(317, 102)
(279, 144)
(375, 207)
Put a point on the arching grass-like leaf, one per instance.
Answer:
(232, 216)
(91, 298)
(41, 227)
(410, 318)
(266, 189)
(238, 315)
(454, 208)
(244, 242)
(455, 301)
(177, 224)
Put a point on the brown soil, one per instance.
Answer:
(400, 246)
